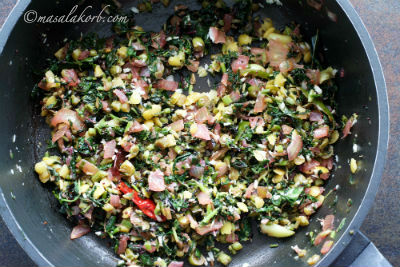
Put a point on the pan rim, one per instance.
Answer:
(5, 211)
(383, 133)
(380, 158)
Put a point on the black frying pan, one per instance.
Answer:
(25, 203)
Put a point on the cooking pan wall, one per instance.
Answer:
(34, 203)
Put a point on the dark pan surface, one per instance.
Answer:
(25, 204)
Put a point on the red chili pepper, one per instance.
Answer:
(146, 205)
(124, 188)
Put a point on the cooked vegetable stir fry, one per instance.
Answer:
(167, 172)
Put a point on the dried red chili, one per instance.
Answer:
(146, 205)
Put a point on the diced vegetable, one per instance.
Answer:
(224, 258)
(353, 165)
(276, 230)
